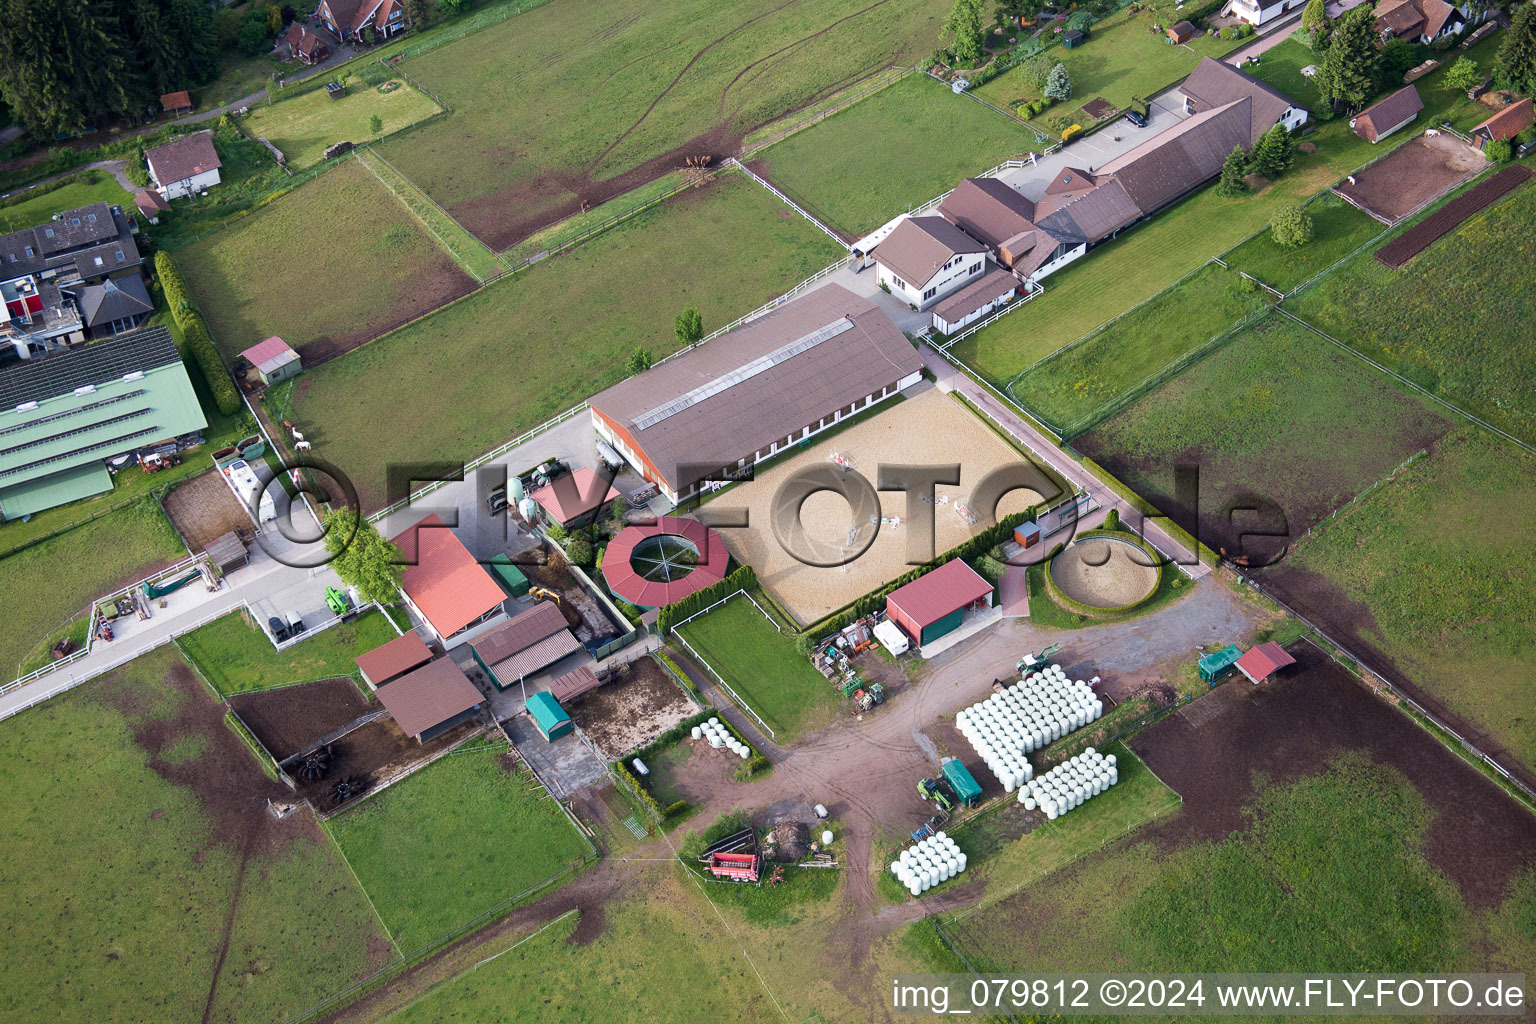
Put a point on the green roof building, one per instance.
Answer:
(62, 417)
(548, 716)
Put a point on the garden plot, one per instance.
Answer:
(1277, 421)
(333, 264)
(639, 704)
(628, 96)
(1411, 176)
(204, 509)
(930, 428)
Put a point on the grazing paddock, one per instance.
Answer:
(1338, 229)
(329, 266)
(1453, 320)
(1432, 575)
(763, 667)
(627, 95)
(455, 839)
(885, 154)
(304, 126)
(1277, 420)
(236, 657)
(146, 879)
(1415, 173)
(536, 343)
(929, 429)
(44, 585)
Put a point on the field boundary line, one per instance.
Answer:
(1478, 420)
(447, 246)
(531, 935)
(738, 165)
(873, 84)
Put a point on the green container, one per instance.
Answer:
(962, 781)
(1213, 666)
(512, 579)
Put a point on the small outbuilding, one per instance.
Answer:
(176, 102)
(548, 716)
(445, 586)
(992, 291)
(431, 700)
(393, 660)
(509, 575)
(150, 204)
(1386, 116)
(1073, 39)
(1264, 661)
(573, 499)
(273, 360)
(1027, 534)
(935, 604)
(574, 683)
(1181, 32)
(524, 644)
(1506, 124)
(1219, 663)
(227, 553)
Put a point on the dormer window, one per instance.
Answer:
(119, 254)
(91, 217)
(98, 261)
(29, 250)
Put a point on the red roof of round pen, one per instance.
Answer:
(664, 561)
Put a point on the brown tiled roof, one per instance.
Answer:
(149, 203)
(1045, 244)
(546, 652)
(919, 246)
(582, 488)
(519, 633)
(1215, 83)
(443, 579)
(399, 655)
(1507, 123)
(184, 158)
(1071, 179)
(776, 393)
(429, 696)
(175, 100)
(988, 209)
(1092, 215)
(1387, 114)
(573, 684)
(1166, 167)
(975, 295)
(1409, 19)
(1183, 29)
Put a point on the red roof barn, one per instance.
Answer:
(934, 604)
(393, 659)
(444, 584)
(1263, 661)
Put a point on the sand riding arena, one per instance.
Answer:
(1105, 573)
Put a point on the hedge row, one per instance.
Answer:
(654, 809)
(680, 676)
(198, 343)
(742, 579)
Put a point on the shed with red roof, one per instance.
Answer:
(1264, 661)
(393, 660)
(935, 604)
(274, 360)
(449, 591)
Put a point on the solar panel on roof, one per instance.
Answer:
(47, 377)
(759, 365)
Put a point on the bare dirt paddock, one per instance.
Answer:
(931, 428)
(640, 704)
(205, 509)
(1419, 171)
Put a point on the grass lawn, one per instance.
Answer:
(44, 585)
(625, 92)
(1409, 319)
(1122, 59)
(237, 657)
(1338, 230)
(120, 876)
(329, 266)
(1152, 256)
(1433, 570)
(1329, 869)
(864, 165)
(1069, 389)
(455, 839)
(304, 126)
(532, 345)
(762, 665)
(80, 190)
(1275, 418)
(1281, 67)
(241, 76)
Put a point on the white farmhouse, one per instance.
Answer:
(926, 258)
(185, 166)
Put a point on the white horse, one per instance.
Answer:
(302, 446)
(296, 435)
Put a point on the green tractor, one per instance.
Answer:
(1031, 663)
(337, 601)
(939, 792)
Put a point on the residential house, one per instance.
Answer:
(114, 306)
(304, 46)
(347, 19)
(71, 419)
(1418, 21)
(991, 211)
(1506, 124)
(443, 584)
(184, 167)
(926, 258)
(1388, 115)
(1214, 84)
(1259, 12)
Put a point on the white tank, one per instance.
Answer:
(696, 732)
(527, 508)
(960, 862)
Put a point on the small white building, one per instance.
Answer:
(975, 301)
(1260, 12)
(184, 167)
(926, 258)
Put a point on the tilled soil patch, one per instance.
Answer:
(640, 704)
(288, 719)
(204, 509)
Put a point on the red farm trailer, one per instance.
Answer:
(734, 867)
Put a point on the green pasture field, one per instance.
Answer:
(1122, 58)
(326, 267)
(1338, 230)
(236, 656)
(48, 583)
(1409, 319)
(1281, 66)
(1152, 256)
(82, 189)
(1073, 385)
(536, 343)
(302, 127)
(1329, 869)
(1433, 570)
(453, 840)
(120, 872)
(624, 93)
(887, 153)
(1276, 415)
(762, 665)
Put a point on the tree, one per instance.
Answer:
(1498, 150)
(1347, 73)
(255, 40)
(639, 361)
(415, 12)
(1515, 65)
(288, 14)
(274, 20)
(363, 558)
(1058, 86)
(1314, 18)
(579, 550)
(1462, 75)
(450, 7)
(1397, 57)
(1036, 70)
(618, 512)
(689, 327)
(963, 31)
(375, 124)
(1292, 226)
(1274, 153)
(1232, 171)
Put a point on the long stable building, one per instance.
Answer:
(720, 408)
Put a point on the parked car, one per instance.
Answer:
(279, 628)
(1136, 118)
(295, 624)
